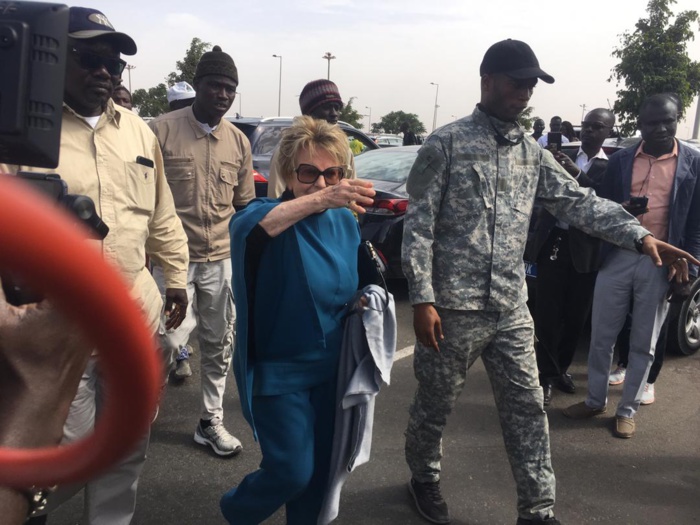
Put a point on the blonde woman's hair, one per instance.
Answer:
(307, 133)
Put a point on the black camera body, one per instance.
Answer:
(80, 206)
(33, 50)
(639, 202)
(33, 41)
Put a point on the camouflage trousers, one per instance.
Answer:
(504, 340)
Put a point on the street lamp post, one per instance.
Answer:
(240, 102)
(437, 90)
(279, 91)
(328, 56)
(583, 111)
(369, 125)
(129, 67)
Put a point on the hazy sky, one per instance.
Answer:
(388, 51)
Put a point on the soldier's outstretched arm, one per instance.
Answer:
(664, 254)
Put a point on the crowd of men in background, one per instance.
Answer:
(578, 276)
(191, 170)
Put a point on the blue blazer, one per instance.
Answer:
(684, 212)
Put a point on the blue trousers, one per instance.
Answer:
(295, 432)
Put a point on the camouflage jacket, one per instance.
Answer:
(470, 200)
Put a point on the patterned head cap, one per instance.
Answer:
(316, 93)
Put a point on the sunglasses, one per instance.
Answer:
(91, 62)
(308, 174)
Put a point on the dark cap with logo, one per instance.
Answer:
(86, 23)
(515, 59)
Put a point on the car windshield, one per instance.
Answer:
(267, 140)
(391, 167)
(398, 141)
(269, 136)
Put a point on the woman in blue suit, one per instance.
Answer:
(294, 272)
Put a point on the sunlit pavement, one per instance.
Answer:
(653, 478)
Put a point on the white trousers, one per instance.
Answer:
(211, 309)
(110, 499)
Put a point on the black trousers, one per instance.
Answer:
(563, 304)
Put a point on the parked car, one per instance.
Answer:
(388, 141)
(388, 170)
(265, 133)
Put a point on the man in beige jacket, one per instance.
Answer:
(109, 154)
(209, 166)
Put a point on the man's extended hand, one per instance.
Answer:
(566, 163)
(427, 325)
(42, 358)
(175, 307)
(663, 253)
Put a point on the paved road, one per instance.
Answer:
(653, 478)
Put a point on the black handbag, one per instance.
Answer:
(370, 267)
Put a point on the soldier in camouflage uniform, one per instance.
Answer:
(472, 189)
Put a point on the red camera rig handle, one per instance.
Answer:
(93, 295)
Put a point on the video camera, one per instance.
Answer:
(33, 50)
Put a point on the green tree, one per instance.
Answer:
(188, 65)
(391, 123)
(654, 59)
(350, 115)
(151, 102)
(526, 119)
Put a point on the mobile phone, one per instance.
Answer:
(554, 141)
(639, 202)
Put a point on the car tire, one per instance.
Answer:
(684, 324)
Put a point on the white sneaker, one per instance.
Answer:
(648, 395)
(218, 438)
(617, 377)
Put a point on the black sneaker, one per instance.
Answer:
(538, 521)
(429, 501)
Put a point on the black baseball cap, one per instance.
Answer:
(86, 23)
(515, 59)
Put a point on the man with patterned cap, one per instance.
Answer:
(471, 191)
(180, 95)
(321, 100)
(109, 154)
(209, 167)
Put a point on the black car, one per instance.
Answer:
(265, 133)
(388, 170)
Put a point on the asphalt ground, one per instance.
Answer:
(653, 478)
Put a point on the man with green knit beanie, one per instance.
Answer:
(209, 168)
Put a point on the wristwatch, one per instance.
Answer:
(37, 499)
(639, 243)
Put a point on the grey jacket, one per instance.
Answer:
(366, 357)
